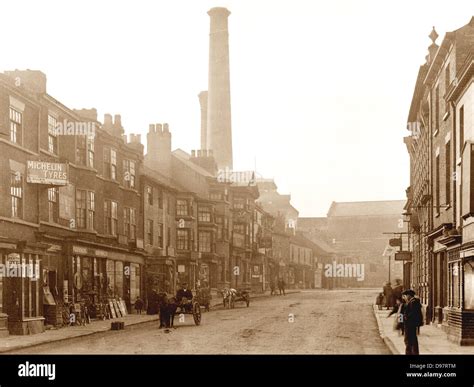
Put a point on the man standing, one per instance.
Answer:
(413, 318)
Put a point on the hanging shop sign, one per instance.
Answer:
(43, 172)
(403, 256)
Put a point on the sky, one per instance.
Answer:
(320, 90)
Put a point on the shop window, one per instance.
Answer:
(119, 279)
(110, 268)
(469, 284)
(454, 286)
(16, 193)
(134, 281)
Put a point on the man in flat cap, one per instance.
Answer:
(413, 318)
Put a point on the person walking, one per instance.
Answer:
(272, 287)
(281, 286)
(413, 319)
(139, 305)
(399, 309)
(387, 293)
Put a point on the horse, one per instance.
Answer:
(167, 307)
(228, 297)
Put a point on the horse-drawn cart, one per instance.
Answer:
(231, 296)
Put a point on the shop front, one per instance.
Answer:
(21, 287)
(460, 308)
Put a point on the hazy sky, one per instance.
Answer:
(320, 89)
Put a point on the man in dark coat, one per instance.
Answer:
(184, 293)
(413, 318)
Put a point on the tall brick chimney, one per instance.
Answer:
(219, 128)
(158, 156)
(203, 103)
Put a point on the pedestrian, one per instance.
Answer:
(379, 301)
(397, 292)
(272, 287)
(139, 305)
(281, 286)
(413, 319)
(387, 292)
(399, 309)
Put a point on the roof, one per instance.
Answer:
(372, 208)
(318, 222)
(301, 240)
(185, 159)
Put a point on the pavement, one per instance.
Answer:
(16, 342)
(432, 340)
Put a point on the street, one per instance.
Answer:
(310, 322)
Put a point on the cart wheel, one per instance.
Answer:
(197, 313)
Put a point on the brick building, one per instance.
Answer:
(71, 205)
(439, 196)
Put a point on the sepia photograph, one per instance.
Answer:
(245, 179)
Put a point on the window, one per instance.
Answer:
(447, 78)
(205, 242)
(220, 226)
(129, 173)
(160, 235)
(239, 203)
(160, 199)
(81, 208)
(110, 163)
(461, 130)
(149, 195)
(85, 151)
(216, 196)
(52, 135)
(149, 231)
(182, 242)
(437, 204)
(130, 223)
(182, 207)
(53, 204)
(239, 228)
(16, 121)
(204, 214)
(448, 173)
(16, 193)
(85, 209)
(168, 237)
(90, 210)
(90, 152)
(111, 217)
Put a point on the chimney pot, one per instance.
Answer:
(118, 121)
(159, 128)
(107, 119)
(166, 128)
(151, 128)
